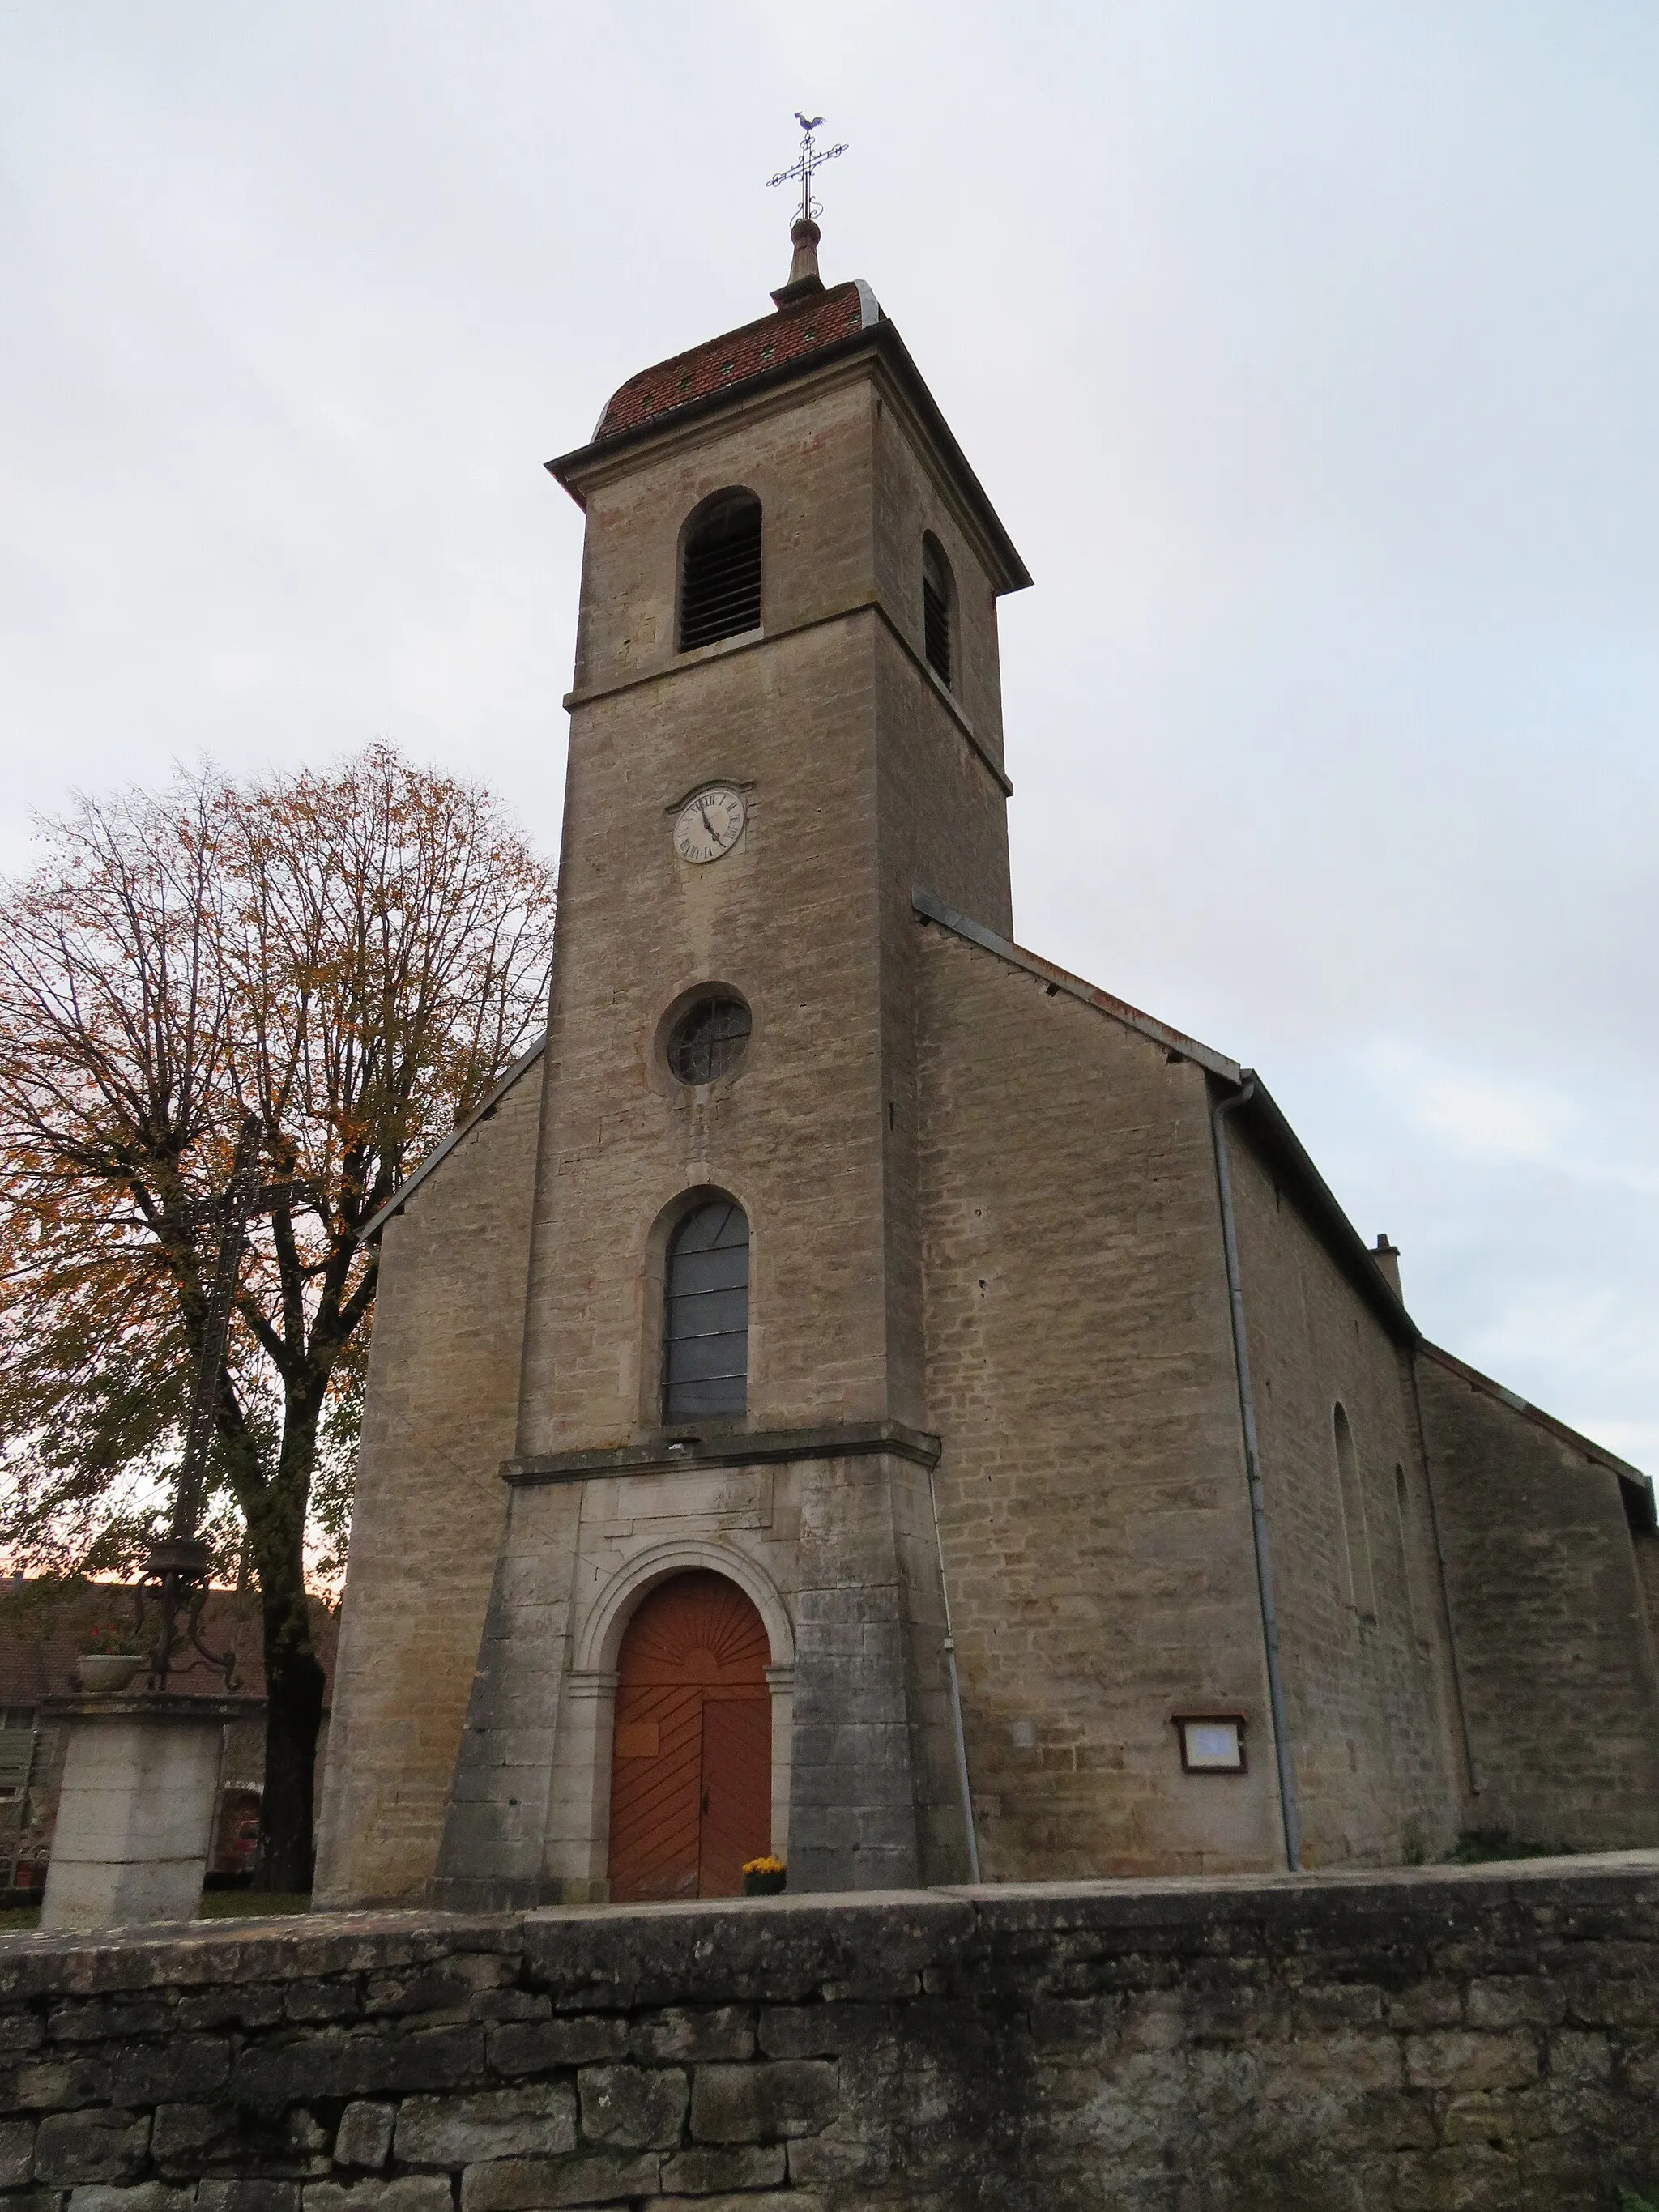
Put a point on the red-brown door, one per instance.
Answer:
(692, 1773)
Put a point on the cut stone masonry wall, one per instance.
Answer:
(1471, 2038)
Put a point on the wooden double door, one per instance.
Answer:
(692, 1769)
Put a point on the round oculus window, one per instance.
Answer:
(708, 1040)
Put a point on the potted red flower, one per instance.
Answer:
(109, 1663)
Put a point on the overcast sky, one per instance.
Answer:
(1310, 352)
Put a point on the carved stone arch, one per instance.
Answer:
(716, 502)
(686, 1200)
(613, 1608)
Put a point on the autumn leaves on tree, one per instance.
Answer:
(353, 958)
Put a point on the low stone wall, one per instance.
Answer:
(1468, 2037)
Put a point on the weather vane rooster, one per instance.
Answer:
(810, 159)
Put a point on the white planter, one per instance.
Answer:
(104, 1672)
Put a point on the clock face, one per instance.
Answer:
(709, 823)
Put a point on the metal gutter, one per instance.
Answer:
(1290, 1810)
(481, 1112)
(1281, 1142)
(957, 1728)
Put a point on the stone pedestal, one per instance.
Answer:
(135, 1814)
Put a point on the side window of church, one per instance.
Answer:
(938, 603)
(720, 570)
(1350, 1497)
(706, 1315)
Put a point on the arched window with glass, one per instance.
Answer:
(1351, 1500)
(705, 1314)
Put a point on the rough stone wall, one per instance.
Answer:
(1646, 1544)
(438, 1421)
(911, 497)
(1475, 2039)
(789, 919)
(875, 1800)
(942, 821)
(1368, 1685)
(1091, 1494)
(1553, 1635)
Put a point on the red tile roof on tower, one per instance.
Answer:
(804, 327)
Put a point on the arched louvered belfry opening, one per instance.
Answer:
(720, 570)
(705, 1334)
(939, 603)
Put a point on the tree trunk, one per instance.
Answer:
(294, 1714)
(294, 1675)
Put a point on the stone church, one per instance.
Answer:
(857, 1392)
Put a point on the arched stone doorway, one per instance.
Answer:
(691, 1764)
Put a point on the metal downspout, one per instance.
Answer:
(1288, 1807)
(956, 1693)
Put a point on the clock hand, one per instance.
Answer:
(707, 823)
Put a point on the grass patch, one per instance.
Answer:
(1480, 1846)
(216, 1904)
(251, 1903)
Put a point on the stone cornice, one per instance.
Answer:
(167, 1705)
(685, 1455)
(683, 663)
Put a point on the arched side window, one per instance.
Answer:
(938, 598)
(1361, 1587)
(720, 570)
(1402, 1514)
(705, 1334)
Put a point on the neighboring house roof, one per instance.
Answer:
(721, 364)
(44, 1626)
(486, 1106)
(1638, 1487)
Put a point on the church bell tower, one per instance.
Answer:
(785, 714)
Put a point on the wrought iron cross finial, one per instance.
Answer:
(810, 159)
